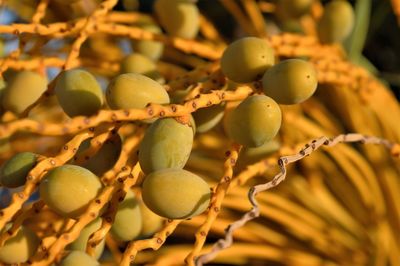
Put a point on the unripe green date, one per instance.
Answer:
(105, 158)
(179, 18)
(137, 63)
(128, 219)
(337, 22)
(68, 189)
(81, 242)
(254, 121)
(14, 171)
(175, 193)
(19, 248)
(78, 93)
(208, 118)
(151, 49)
(166, 144)
(246, 59)
(24, 89)
(151, 222)
(291, 81)
(132, 90)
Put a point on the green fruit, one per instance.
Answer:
(140, 64)
(254, 121)
(81, 242)
(19, 248)
(291, 81)
(151, 49)
(294, 8)
(247, 59)
(68, 189)
(179, 18)
(151, 222)
(175, 193)
(106, 157)
(166, 144)
(79, 258)
(207, 118)
(14, 171)
(133, 90)
(336, 22)
(24, 89)
(78, 93)
(128, 219)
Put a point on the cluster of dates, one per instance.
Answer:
(168, 190)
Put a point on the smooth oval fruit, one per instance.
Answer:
(132, 90)
(105, 158)
(254, 121)
(151, 49)
(175, 193)
(78, 93)
(19, 248)
(209, 117)
(337, 22)
(68, 189)
(167, 143)
(246, 59)
(14, 171)
(24, 89)
(137, 63)
(179, 18)
(291, 81)
(128, 219)
(79, 258)
(81, 242)
(151, 222)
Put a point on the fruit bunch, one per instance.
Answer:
(139, 133)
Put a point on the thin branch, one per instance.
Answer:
(282, 162)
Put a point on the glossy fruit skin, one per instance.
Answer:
(78, 93)
(105, 158)
(166, 144)
(132, 90)
(68, 189)
(151, 222)
(81, 242)
(137, 63)
(254, 121)
(246, 59)
(23, 90)
(175, 193)
(19, 248)
(151, 49)
(208, 118)
(79, 258)
(337, 22)
(14, 171)
(179, 18)
(291, 81)
(128, 219)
